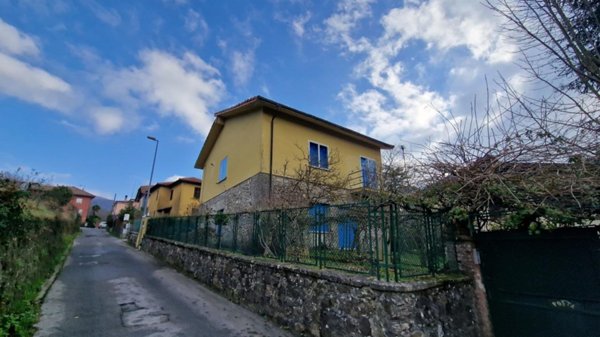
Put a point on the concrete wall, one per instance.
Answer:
(324, 303)
(468, 262)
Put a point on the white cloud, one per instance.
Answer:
(184, 87)
(298, 24)
(186, 139)
(446, 24)
(411, 112)
(31, 84)
(107, 15)
(195, 24)
(242, 66)
(173, 178)
(339, 26)
(194, 21)
(108, 120)
(388, 104)
(15, 42)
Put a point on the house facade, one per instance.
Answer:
(81, 201)
(120, 205)
(177, 198)
(260, 146)
(140, 197)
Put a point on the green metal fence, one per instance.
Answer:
(135, 225)
(374, 240)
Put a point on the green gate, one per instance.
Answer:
(542, 285)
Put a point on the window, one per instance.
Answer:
(223, 170)
(196, 192)
(78, 201)
(80, 211)
(171, 196)
(368, 168)
(318, 155)
(319, 213)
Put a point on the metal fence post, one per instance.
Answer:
(196, 230)
(219, 229)
(282, 234)
(187, 229)
(236, 220)
(395, 239)
(206, 220)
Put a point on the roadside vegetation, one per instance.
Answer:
(37, 227)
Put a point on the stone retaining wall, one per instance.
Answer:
(312, 302)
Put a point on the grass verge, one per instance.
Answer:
(21, 311)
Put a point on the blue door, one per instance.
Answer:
(346, 233)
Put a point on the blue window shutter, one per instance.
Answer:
(313, 154)
(323, 157)
(223, 169)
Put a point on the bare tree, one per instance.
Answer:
(301, 184)
(559, 43)
(535, 156)
(557, 38)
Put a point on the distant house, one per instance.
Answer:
(81, 201)
(140, 197)
(259, 142)
(176, 198)
(120, 205)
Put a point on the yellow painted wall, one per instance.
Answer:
(291, 144)
(159, 198)
(245, 140)
(240, 141)
(183, 198)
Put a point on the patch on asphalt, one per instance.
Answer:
(139, 307)
(90, 263)
(133, 315)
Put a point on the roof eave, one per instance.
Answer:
(210, 141)
(261, 102)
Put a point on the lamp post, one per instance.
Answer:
(145, 208)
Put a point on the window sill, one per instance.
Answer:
(319, 168)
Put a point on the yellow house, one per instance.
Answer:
(258, 142)
(177, 198)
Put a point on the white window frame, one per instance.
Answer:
(219, 178)
(79, 201)
(361, 171)
(319, 154)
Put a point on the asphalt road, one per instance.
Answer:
(110, 289)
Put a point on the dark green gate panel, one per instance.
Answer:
(542, 285)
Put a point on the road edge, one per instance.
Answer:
(50, 281)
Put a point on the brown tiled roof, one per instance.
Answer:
(169, 184)
(80, 193)
(141, 192)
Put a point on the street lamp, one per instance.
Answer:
(145, 208)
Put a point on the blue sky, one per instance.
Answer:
(82, 83)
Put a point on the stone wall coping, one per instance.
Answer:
(337, 276)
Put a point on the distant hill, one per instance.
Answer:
(105, 206)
